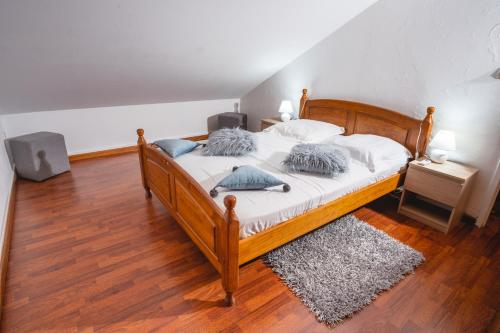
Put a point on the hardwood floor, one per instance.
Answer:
(91, 254)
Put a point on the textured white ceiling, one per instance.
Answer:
(73, 54)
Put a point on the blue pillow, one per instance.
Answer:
(248, 177)
(176, 147)
(322, 159)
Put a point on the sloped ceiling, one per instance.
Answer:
(73, 54)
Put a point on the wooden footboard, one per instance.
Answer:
(215, 232)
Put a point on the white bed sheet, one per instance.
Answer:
(260, 210)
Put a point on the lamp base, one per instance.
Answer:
(439, 156)
(286, 117)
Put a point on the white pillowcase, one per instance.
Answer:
(372, 150)
(306, 130)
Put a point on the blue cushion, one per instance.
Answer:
(248, 177)
(230, 142)
(176, 147)
(322, 159)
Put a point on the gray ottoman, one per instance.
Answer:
(232, 120)
(39, 156)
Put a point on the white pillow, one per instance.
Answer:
(306, 130)
(372, 150)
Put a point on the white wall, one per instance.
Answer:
(70, 54)
(87, 130)
(406, 55)
(6, 178)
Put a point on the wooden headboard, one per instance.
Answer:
(361, 118)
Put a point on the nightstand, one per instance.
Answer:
(265, 123)
(436, 194)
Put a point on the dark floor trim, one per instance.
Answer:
(121, 150)
(7, 238)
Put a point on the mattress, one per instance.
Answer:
(260, 210)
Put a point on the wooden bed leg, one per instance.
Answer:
(230, 271)
(229, 300)
(141, 143)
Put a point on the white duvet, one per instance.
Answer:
(259, 210)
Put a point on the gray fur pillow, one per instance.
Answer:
(323, 159)
(230, 142)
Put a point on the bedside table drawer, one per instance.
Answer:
(432, 186)
(267, 122)
(264, 125)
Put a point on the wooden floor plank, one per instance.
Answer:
(91, 254)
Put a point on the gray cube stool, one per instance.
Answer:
(232, 120)
(39, 156)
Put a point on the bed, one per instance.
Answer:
(228, 239)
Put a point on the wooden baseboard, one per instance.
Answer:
(7, 238)
(197, 137)
(121, 150)
(103, 153)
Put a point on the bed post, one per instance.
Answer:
(230, 265)
(303, 100)
(141, 143)
(425, 131)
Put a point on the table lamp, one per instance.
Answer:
(441, 144)
(286, 110)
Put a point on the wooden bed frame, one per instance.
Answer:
(216, 232)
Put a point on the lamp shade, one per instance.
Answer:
(286, 107)
(444, 140)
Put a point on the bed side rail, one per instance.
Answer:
(215, 232)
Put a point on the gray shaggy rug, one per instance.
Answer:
(342, 267)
